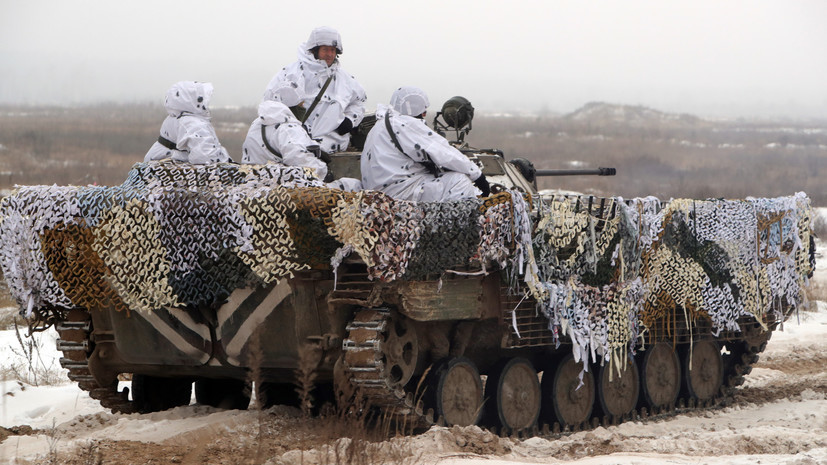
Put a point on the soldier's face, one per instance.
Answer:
(327, 54)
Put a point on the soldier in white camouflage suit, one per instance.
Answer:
(407, 160)
(341, 100)
(276, 136)
(187, 134)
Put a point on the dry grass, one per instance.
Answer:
(87, 145)
(27, 365)
(817, 291)
(820, 227)
(357, 434)
(306, 377)
(254, 455)
(668, 159)
(7, 316)
(675, 160)
(5, 300)
(351, 432)
(90, 454)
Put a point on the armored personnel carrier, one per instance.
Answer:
(513, 311)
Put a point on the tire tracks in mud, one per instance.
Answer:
(800, 370)
(787, 373)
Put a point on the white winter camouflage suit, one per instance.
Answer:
(188, 126)
(344, 97)
(403, 176)
(285, 134)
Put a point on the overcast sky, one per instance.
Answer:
(708, 57)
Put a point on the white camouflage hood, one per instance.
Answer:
(189, 98)
(324, 36)
(272, 112)
(409, 100)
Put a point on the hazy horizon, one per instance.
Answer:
(713, 59)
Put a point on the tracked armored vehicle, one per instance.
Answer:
(512, 311)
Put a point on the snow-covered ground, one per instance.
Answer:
(38, 405)
(778, 417)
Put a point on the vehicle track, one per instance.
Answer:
(366, 370)
(75, 343)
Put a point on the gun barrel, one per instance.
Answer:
(584, 172)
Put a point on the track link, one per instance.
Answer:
(366, 370)
(75, 343)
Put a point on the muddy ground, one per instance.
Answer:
(778, 416)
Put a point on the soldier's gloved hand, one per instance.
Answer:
(482, 184)
(329, 176)
(344, 127)
(318, 153)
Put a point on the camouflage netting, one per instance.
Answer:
(613, 272)
(603, 273)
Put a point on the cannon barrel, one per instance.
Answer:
(584, 172)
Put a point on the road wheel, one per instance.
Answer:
(571, 400)
(660, 376)
(514, 396)
(618, 393)
(456, 392)
(704, 370)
